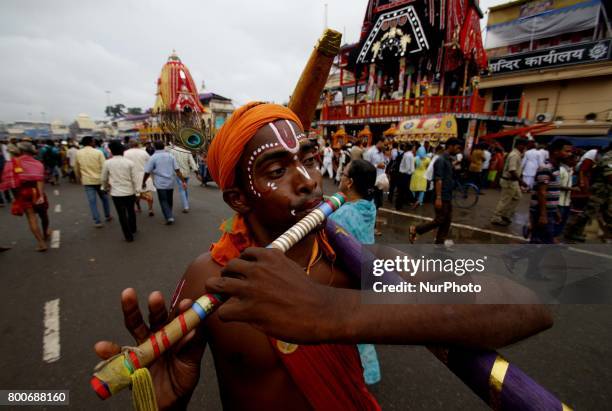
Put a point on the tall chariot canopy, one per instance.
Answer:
(176, 90)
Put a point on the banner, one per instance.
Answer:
(552, 57)
(579, 17)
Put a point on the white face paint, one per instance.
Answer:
(272, 186)
(250, 168)
(293, 213)
(304, 172)
(301, 169)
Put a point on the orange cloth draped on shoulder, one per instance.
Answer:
(329, 375)
(228, 144)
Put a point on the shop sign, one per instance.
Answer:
(552, 57)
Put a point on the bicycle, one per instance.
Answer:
(465, 194)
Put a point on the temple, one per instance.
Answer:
(413, 72)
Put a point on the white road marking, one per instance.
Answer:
(580, 250)
(55, 239)
(58, 208)
(56, 192)
(492, 232)
(51, 337)
(457, 225)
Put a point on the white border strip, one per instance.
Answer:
(492, 232)
(55, 239)
(51, 336)
(457, 225)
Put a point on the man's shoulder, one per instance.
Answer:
(200, 270)
(89, 151)
(179, 150)
(157, 155)
(127, 161)
(167, 154)
(134, 152)
(514, 154)
(445, 160)
(204, 265)
(441, 163)
(113, 161)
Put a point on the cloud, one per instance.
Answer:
(59, 57)
(64, 76)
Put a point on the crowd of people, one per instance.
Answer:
(568, 190)
(569, 187)
(125, 172)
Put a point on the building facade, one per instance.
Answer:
(217, 109)
(550, 63)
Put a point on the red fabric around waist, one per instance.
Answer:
(329, 375)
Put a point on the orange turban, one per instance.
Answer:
(230, 141)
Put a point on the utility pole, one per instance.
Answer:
(325, 16)
(42, 116)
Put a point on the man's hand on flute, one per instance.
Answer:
(176, 373)
(273, 294)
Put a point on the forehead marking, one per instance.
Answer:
(300, 135)
(290, 143)
(291, 128)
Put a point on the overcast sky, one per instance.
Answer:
(60, 56)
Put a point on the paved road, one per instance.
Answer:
(91, 266)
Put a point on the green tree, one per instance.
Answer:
(115, 111)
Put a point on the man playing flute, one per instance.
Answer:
(268, 175)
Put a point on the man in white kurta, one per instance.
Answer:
(531, 161)
(139, 156)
